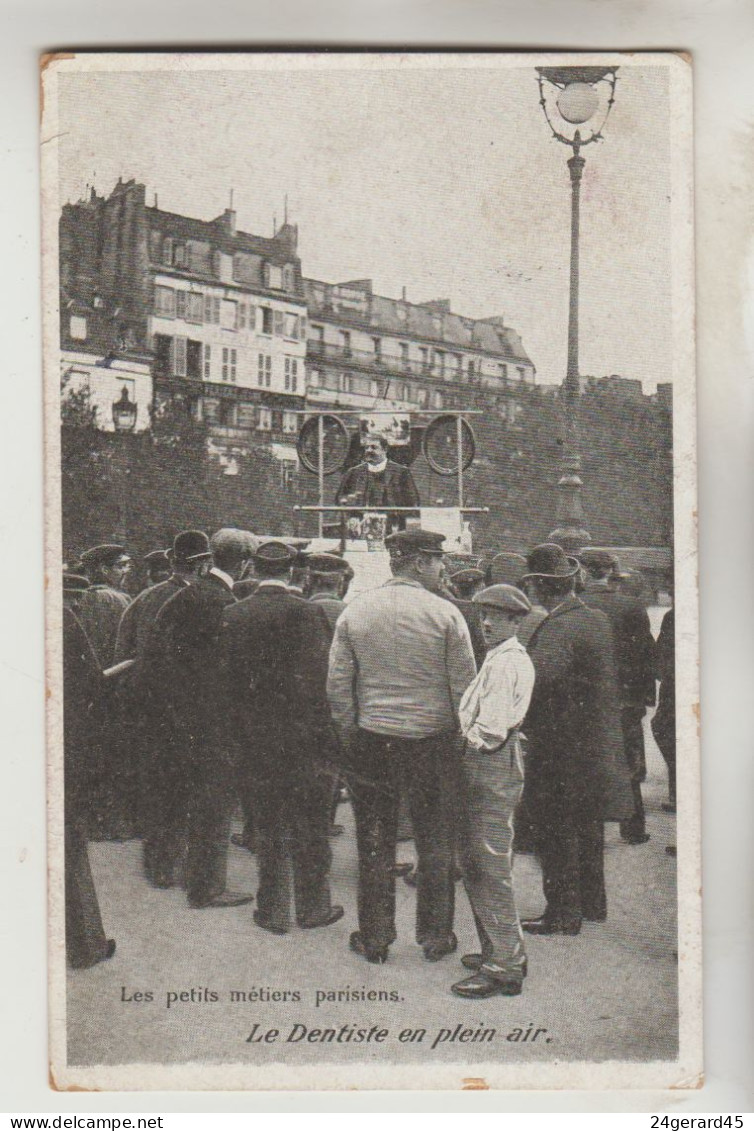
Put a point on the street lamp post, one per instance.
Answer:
(124, 422)
(575, 96)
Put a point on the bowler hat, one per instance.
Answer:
(275, 553)
(406, 543)
(191, 546)
(75, 583)
(326, 563)
(505, 568)
(550, 560)
(506, 597)
(106, 555)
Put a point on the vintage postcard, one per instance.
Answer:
(371, 488)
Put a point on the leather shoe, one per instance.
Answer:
(435, 951)
(639, 838)
(668, 807)
(377, 955)
(224, 899)
(240, 841)
(336, 912)
(474, 961)
(481, 985)
(267, 926)
(545, 926)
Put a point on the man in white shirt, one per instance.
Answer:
(399, 663)
(491, 712)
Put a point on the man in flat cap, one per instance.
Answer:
(576, 775)
(491, 713)
(103, 604)
(378, 483)
(194, 778)
(400, 661)
(635, 661)
(273, 662)
(326, 578)
(506, 568)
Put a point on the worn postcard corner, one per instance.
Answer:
(370, 511)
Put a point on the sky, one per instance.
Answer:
(444, 180)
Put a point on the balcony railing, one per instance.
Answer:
(368, 359)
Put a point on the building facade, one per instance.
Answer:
(169, 306)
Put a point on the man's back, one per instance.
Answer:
(634, 644)
(139, 617)
(400, 662)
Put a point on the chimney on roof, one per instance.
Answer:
(438, 305)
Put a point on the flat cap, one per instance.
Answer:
(326, 563)
(550, 560)
(506, 597)
(75, 583)
(598, 560)
(404, 543)
(190, 546)
(231, 539)
(157, 557)
(505, 568)
(276, 552)
(106, 555)
(467, 576)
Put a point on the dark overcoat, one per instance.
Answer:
(180, 657)
(394, 487)
(137, 620)
(274, 650)
(83, 710)
(99, 611)
(575, 761)
(635, 649)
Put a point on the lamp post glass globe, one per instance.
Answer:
(578, 102)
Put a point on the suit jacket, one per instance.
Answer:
(180, 658)
(395, 487)
(273, 655)
(576, 756)
(635, 649)
(137, 620)
(99, 611)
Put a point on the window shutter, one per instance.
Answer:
(179, 356)
(279, 323)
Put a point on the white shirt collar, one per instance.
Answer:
(223, 576)
(512, 644)
(376, 468)
(270, 582)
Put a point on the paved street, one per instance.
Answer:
(610, 993)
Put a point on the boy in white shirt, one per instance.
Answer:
(491, 712)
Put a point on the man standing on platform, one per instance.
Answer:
(378, 483)
(400, 661)
(635, 663)
(273, 663)
(576, 775)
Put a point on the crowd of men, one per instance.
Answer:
(240, 676)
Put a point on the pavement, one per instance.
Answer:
(190, 985)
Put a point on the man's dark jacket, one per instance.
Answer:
(394, 487)
(180, 657)
(273, 655)
(575, 755)
(635, 649)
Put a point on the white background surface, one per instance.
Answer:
(721, 37)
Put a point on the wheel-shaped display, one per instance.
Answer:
(440, 444)
(336, 441)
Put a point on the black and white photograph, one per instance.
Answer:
(371, 563)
